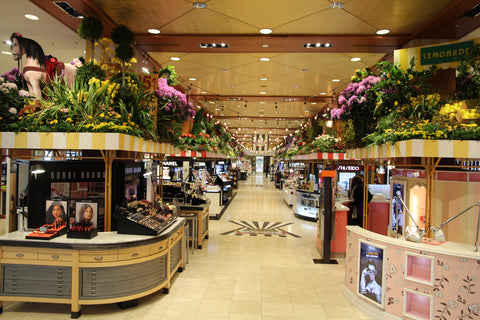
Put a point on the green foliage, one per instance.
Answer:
(168, 73)
(90, 28)
(89, 71)
(117, 78)
(198, 125)
(468, 76)
(124, 52)
(397, 86)
(122, 35)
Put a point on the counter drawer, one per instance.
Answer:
(109, 282)
(158, 247)
(19, 253)
(133, 253)
(57, 255)
(176, 235)
(98, 256)
(36, 272)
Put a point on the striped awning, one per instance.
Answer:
(321, 156)
(82, 141)
(465, 149)
(198, 154)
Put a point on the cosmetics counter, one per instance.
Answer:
(109, 268)
(434, 189)
(201, 213)
(390, 278)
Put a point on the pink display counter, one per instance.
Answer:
(391, 278)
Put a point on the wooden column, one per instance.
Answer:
(366, 172)
(430, 166)
(108, 156)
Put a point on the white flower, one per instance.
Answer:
(446, 267)
(452, 304)
(392, 269)
(9, 85)
(473, 308)
(23, 93)
(12, 110)
(439, 294)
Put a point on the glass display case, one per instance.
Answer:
(306, 204)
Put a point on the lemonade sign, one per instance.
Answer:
(445, 53)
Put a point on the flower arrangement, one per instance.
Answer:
(88, 107)
(12, 99)
(173, 101)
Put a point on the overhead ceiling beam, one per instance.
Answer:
(276, 43)
(255, 98)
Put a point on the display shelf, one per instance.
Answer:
(321, 156)
(419, 268)
(417, 305)
(420, 148)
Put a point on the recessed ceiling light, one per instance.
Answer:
(296, 87)
(383, 31)
(323, 93)
(264, 59)
(337, 5)
(264, 79)
(175, 58)
(199, 5)
(266, 31)
(192, 79)
(313, 103)
(355, 59)
(336, 80)
(153, 31)
(7, 52)
(265, 45)
(203, 92)
(262, 92)
(31, 17)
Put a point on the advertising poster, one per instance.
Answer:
(371, 268)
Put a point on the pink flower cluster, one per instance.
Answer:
(11, 76)
(175, 100)
(354, 95)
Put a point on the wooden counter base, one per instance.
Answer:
(113, 268)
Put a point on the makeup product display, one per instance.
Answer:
(49, 231)
(82, 230)
(144, 218)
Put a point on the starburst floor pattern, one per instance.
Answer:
(253, 228)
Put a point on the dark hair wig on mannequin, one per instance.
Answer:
(31, 47)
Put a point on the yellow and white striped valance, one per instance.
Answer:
(82, 141)
(321, 156)
(198, 154)
(468, 149)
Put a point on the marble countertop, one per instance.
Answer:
(104, 240)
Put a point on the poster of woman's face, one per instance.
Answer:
(55, 210)
(371, 266)
(86, 212)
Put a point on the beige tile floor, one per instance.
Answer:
(237, 277)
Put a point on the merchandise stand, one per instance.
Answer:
(417, 280)
(417, 153)
(107, 253)
(111, 146)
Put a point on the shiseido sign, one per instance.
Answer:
(349, 168)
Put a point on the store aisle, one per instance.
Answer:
(266, 276)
